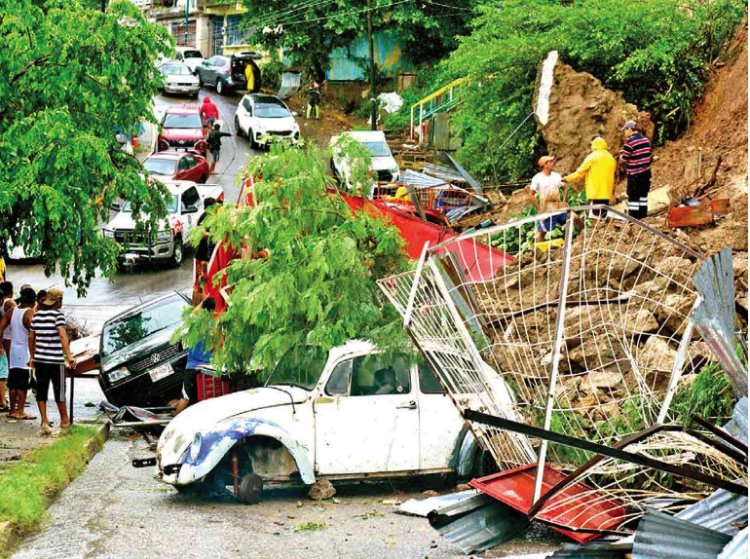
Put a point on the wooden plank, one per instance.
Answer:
(689, 216)
(719, 206)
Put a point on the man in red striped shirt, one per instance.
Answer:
(636, 156)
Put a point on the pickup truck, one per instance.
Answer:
(184, 210)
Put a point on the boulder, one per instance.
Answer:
(321, 490)
(656, 356)
(572, 107)
(597, 352)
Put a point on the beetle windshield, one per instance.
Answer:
(186, 121)
(300, 366)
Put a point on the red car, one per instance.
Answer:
(182, 128)
(180, 165)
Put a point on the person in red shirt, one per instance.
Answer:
(209, 112)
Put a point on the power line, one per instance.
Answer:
(432, 2)
(338, 14)
(307, 4)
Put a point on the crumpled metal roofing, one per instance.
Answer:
(420, 180)
(737, 548)
(722, 511)
(660, 535)
(451, 504)
(737, 426)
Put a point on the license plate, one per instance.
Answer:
(160, 372)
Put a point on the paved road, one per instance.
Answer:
(116, 511)
(107, 297)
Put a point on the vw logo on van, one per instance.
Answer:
(155, 358)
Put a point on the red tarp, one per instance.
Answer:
(578, 511)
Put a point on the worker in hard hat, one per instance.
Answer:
(598, 170)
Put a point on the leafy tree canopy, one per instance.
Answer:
(309, 31)
(308, 272)
(656, 51)
(70, 76)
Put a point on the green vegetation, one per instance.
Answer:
(655, 51)
(316, 286)
(29, 486)
(70, 76)
(710, 396)
(310, 526)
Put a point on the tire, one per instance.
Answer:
(220, 87)
(334, 171)
(237, 127)
(251, 138)
(200, 80)
(485, 465)
(203, 179)
(251, 487)
(178, 253)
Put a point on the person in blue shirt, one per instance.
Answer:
(198, 356)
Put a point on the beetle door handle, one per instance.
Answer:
(410, 406)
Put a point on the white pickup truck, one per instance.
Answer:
(184, 209)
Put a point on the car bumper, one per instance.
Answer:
(175, 88)
(134, 254)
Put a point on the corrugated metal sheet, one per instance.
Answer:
(484, 527)
(661, 536)
(737, 548)
(349, 64)
(722, 511)
(451, 504)
(420, 180)
(737, 426)
(604, 550)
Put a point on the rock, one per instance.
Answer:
(463, 487)
(430, 493)
(579, 107)
(640, 321)
(597, 351)
(679, 269)
(602, 379)
(606, 412)
(321, 490)
(675, 310)
(656, 356)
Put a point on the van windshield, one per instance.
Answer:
(378, 149)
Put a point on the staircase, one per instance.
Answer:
(444, 99)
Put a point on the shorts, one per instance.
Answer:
(47, 373)
(599, 212)
(3, 366)
(189, 385)
(548, 225)
(18, 379)
(216, 155)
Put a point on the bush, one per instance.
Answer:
(655, 51)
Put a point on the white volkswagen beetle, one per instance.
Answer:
(349, 414)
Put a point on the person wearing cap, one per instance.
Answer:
(598, 173)
(50, 353)
(19, 321)
(636, 156)
(546, 185)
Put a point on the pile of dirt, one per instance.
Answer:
(573, 107)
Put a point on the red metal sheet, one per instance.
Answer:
(579, 511)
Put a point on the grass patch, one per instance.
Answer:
(27, 488)
(310, 526)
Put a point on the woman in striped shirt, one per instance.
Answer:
(50, 353)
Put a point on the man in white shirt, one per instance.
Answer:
(546, 185)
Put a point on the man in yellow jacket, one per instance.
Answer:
(599, 171)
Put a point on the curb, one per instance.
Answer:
(9, 537)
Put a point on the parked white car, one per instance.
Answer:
(184, 210)
(179, 79)
(382, 163)
(190, 56)
(261, 116)
(350, 413)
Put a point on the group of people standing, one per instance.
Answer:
(35, 351)
(598, 173)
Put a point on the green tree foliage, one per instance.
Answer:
(310, 31)
(70, 76)
(655, 51)
(316, 286)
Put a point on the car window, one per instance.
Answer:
(184, 121)
(377, 149)
(190, 197)
(214, 60)
(189, 161)
(192, 54)
(248, 106)
(300, 366)
(371, 375)
(183, 164)
(271, 111)
(175, 70)
(428, 381)
(170, 201)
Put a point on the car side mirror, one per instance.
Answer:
(295, 113)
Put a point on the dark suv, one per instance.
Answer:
(140, 366)
(228, 72)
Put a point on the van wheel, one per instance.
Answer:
(251, 487)
(251, 138)
(220, 86)
(178, 253)
(485, 464)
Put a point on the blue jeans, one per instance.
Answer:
(548, 225)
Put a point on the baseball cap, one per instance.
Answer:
(629, 124)
(544, 159)
(53, 296)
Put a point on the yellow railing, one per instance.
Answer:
(425, 114)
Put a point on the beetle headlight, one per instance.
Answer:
(195, 447)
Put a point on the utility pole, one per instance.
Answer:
(374, 110)
(187, 7)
